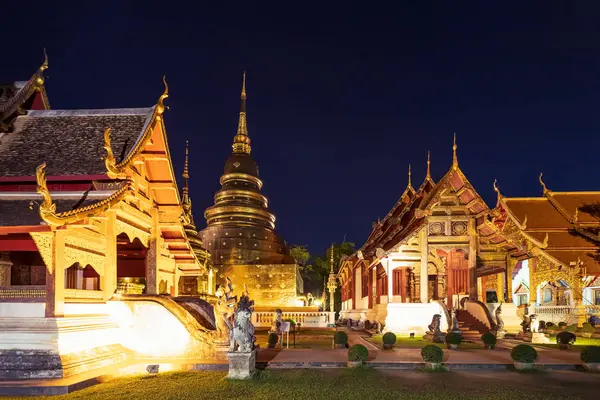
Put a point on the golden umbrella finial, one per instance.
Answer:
(454, 156)
(409, 186)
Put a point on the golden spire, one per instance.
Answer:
(186, 174)
(409, 186)
(454, 157)
(544, 188)
(428, 176)
(241, 141)
(331, 260)
(160, 106)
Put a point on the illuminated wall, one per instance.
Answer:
(268, 285)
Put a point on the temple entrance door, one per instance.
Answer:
(432, 287)
(458, 274)
(131, 265)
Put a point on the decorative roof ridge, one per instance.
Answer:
(48, 209)
(90, 112)
(114, 169)
(35, 83)
(561, 210)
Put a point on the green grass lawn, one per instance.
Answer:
(305, 339)
(362, 383)
(418, 342)
(579, 343)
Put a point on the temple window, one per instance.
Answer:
(77, 277)
(522, 299)
(28, 268)
(547, 295)
(597, 297)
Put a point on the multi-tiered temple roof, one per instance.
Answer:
(241, 229)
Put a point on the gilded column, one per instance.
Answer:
(473, 239)
(500, 286)
(55, 276)
(510, 267)
(423, 272)
(152, 256)
(109, 279)
(390, 281)
(533, 283)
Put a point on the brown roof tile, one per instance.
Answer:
(69, 141)
(540, 213)
(18, 213)
(565, 257)
(571, 201)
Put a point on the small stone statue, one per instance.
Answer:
(223, 310)
(498, 315)
(242, 336)
(455, 320)
(528, 322)
(434, 332)
(309, 299)
(276, 325)
(533, 323)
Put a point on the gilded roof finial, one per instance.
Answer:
(496, 189)
(160, 106)
(39, 76)
(47, 208)
(454, 157)
(186, 172)
(428, 176)
(544, 188)
(409, 186)
(331, 260)
(241, 141)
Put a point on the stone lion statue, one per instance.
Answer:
(242, 335)
(434, 327)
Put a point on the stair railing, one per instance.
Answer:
(480, 312)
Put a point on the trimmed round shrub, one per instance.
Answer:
(340, 337)
(358, 352)
(489, 339)
(553, 328)
(523, 353)
(562, 325)
(454, 338)
(273, 338)
(588, 328)
(389, 338)
(590, 354)
(566, 337)
(549, 324)
(571, 328)
(432, 354)
(367, 324)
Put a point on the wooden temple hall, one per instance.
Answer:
(89, 206)
(441, 243)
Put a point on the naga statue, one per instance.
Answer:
(223, 309)
(276, 325)
(455, 327)
(498, 316)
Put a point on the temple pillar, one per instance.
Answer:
(5, 266)
(472, 271)
(211, 282)
(423, 270)
(481, 290)
(109, 279)
(500, 278)
(533, 282)
(390, 280)
(510, 267)
(152, 255)
(55, 276)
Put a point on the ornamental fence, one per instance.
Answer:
(314, 319)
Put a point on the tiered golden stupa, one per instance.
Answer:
(241, 230)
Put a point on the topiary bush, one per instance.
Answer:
(340, 337)
(588, 328)
(389, 338)
(489, 339)
(523, 353)
(553, 328)
(566, 338)
(571, 328)
(590, 354)
(549, 324)
(358, 352)
(562, 325)
(432, 354)
(454, 338)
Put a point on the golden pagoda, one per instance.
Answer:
(241, 233)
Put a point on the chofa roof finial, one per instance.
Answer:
(160, 106)
(544, 188)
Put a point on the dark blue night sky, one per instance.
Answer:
(340, 98)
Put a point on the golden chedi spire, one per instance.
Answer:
(454, 156)
(241, 141)
(186, 201)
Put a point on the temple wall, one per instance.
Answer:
(268, 285)
(406, 318)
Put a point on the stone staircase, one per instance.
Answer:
(471, 328)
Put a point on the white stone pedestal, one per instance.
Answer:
(242, 365)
